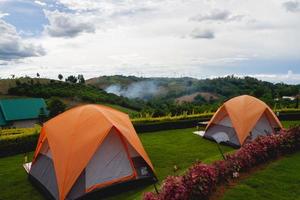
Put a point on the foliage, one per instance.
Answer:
(13, 141)
(164, 125)
(80, 79)
(60, 77)
(55, 106)
(224, 88)
(42, 116)
(184, 116)
(201, 180)
(164, 102)
(82, 92)
(71, 79)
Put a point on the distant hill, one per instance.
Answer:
(5, 84)
(145, 88)
(140, 96)
(186, 89)
(71, 94)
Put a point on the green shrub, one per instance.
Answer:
(20, 140)
(168, 118)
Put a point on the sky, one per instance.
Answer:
(161, 38)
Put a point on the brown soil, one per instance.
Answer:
(190, 98)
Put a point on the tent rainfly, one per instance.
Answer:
(242, 118)
(86, 149)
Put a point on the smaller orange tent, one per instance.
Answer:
(240, 118)
(88, 148)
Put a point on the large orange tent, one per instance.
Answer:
(241, 118)
(88, 148)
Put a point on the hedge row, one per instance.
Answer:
(201, 180)
(166, 125)
(142, 127)
(145, 120)
(15, 144)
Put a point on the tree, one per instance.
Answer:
(80, 79)
(55, 106)
(38, 75)
(71, 79)
(42, 116)
(18, 82)
(60, 77)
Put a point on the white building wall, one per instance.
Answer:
(24, 123)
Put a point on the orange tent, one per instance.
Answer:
(240, 118)
(87, 148)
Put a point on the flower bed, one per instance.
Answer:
(201, 180)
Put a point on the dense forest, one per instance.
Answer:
(159, 96)
(207, 94)
(76, 91)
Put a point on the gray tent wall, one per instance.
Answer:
(262, 127)
(224, 126)
(43, 170)
(110, 162)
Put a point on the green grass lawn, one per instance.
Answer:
(289, 124)
(279, 181)
(166, 148)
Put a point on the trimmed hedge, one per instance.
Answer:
(166, 125)
(201, 180)
(142, 127)
(289, 116)
(19, 143)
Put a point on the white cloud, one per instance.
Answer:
(13, 47)
(292, 6)
(289, 77)
(202, 34)
(3, 15)
(145, 37)
(67, 24)
(40, 3)
(217, 15)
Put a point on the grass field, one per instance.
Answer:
(279, 181)
(166, 148)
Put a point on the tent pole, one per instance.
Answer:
(221, 151)
(156, 190)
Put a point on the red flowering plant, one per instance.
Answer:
(173, 188)
(201, 179)
(224, 170)
(150, 196)
(290, 140)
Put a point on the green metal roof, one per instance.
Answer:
(18, 109)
